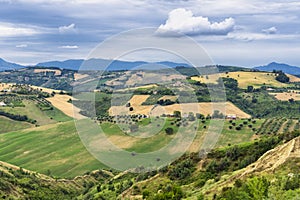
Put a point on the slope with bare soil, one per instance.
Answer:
(268, 163)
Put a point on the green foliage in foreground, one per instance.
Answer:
(281, 187)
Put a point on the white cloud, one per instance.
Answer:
(69, 47)
(13, 30)
(21, 45)
(272, 30)
(67, 29)
(183, 21)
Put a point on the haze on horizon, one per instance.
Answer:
(242, 33)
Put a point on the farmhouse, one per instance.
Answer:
(231, 116)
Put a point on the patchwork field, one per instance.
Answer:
(185, 108)
(245, 79)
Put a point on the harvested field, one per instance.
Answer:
(154, 110)
(78, 76)
(245, 79)
(61, 103)
(285, 96)
(56, 71)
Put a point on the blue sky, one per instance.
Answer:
(236, 32)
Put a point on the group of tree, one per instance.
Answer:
(13, 116)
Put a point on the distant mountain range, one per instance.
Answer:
(96, 63)
(280, 66)
(4, 65)
(112, 65)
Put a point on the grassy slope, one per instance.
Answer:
(8, 125)
(54, 147)
(33, 112)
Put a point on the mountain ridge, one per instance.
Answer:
(289, 69)
(5, 65)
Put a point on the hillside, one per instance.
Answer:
(271, 162)
(19, 183)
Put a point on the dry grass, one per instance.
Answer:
(137, 100)
(293, 78)
(78, 76)
(56, 71)
(185, 108)
(61, 103)
(45, 89)
(245, 79)
(285, 96)
(4, 86)
(172, 98)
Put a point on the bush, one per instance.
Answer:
(169, 131)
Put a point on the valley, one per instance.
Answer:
(39, 134)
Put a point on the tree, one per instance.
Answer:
(169, 131)
(250, 88)
(282, 77)
(134, 128)
(230, 83)
(177, 114)
(199, 116)
(191, 117)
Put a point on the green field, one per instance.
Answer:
(56, 149)
(53, 149)
(33, 112)
(8, 125)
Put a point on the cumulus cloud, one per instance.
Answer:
(67, 29)
(183, 21)
(272, 30)
(69, 47)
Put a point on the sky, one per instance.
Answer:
(232, 32)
